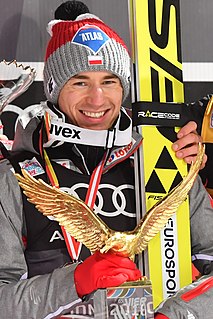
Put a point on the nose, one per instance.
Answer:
(96, 96)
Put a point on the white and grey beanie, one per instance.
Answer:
(84, 44)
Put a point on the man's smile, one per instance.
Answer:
(93, 114)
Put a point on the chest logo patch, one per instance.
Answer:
(33, 167)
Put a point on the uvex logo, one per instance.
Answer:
(66, 132)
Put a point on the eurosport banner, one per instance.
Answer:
(158, 78)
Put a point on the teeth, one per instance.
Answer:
(92, 114)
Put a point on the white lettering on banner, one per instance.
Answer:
(159, 115)
(170, 266)
(121, 308)
(82, 310)
(88, 36)
(127, 308)
(56, 235)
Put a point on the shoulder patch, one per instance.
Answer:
(32, 166)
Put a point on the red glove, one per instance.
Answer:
(102, 271)
(160, 316)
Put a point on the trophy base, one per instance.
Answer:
(130, 300)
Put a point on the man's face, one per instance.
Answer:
(92, 99)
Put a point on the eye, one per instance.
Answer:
(113, 81)
(109, 82)
(80, 83)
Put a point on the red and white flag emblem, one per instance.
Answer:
(95, 60)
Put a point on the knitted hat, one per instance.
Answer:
(84, 44)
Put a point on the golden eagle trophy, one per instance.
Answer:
(85, 226)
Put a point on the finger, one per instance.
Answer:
(190, 151)
(135, 275)
(205, 157)
(117, 260)
(186, 129)
(118, 278)
(111, 281)
(131, 274)
(186, 141)
(191, 159)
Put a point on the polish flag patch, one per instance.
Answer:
(95, 60)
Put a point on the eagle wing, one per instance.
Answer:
(157, 217)
(73, 214)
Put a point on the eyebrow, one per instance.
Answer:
(79, 76)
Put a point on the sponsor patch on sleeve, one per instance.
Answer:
(32, 166)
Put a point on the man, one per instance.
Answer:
(81, 140)
(191, 302)
(195, 300)
(207, 136)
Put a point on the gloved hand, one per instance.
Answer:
(102, 271)
(160, 316)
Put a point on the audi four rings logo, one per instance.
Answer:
(159, 115)
(118, 198)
